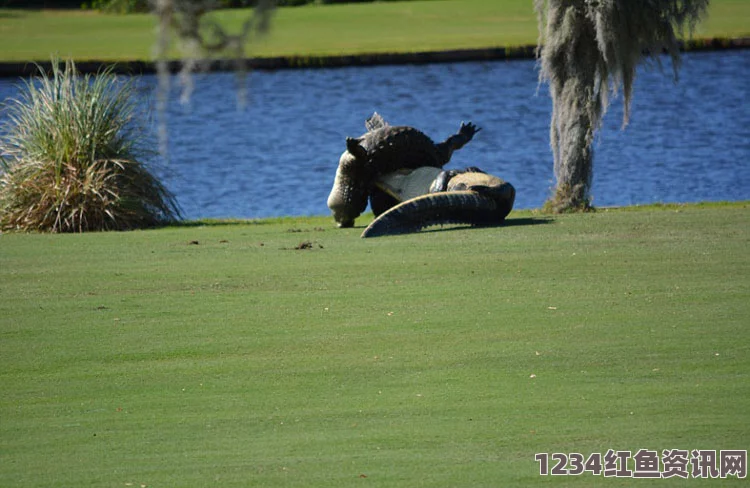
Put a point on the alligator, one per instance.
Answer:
(384, 149)
(429, 196)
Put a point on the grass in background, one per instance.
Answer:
(315, 30)
(218, 354)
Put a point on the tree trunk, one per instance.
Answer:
(589, 49)
(576, 107)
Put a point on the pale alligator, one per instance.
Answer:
(428, 196)
(384, 149)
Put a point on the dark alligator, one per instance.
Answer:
(384, 149)
(427, 196)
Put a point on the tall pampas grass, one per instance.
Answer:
(589, 50)
(71, 157)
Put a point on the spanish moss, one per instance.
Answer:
(588, 50)
(200, 37)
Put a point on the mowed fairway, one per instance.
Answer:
(392, 27)
(220, 355)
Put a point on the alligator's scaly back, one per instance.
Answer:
(462, 207)
(375, 122)
(467, 197)
(393, 147)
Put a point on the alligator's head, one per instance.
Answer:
(348, 197)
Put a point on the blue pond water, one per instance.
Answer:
(686, 142)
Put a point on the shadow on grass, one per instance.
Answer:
(282, 220)
(223, 223)
(527, 221)
(507, 223)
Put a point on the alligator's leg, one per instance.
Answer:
(441, 182)
(444, 178)
(381, 201)
(503, 195)
(456, 141)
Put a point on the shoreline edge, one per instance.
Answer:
(29, 68)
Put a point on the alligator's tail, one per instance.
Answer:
(454, 207)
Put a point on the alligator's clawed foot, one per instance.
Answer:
(468, 130)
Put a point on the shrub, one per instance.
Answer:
(70, 157)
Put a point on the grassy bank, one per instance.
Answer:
(315, 30)
(220, 355)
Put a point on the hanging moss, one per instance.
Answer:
(588, 50)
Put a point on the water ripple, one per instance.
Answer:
(685, 142)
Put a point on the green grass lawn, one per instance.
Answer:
(220, 355)
(315, 30)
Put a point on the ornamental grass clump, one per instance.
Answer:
(71, 157)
